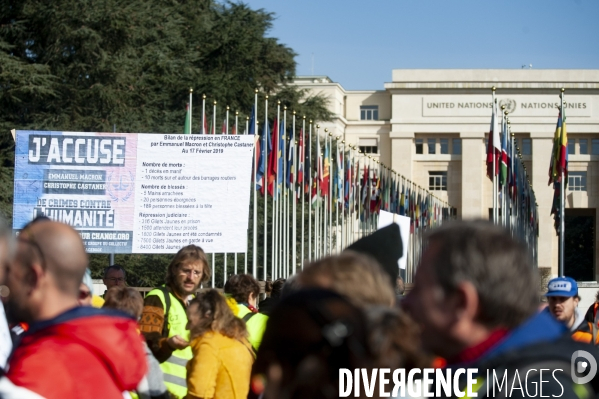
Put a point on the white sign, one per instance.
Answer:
(387, 218)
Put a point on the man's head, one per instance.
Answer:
(243, 288)
(473, 278)
(188, 269)
(47, 271)
(125, 299)
(114, 276)
(562, 297)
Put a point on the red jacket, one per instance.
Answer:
(83, 353)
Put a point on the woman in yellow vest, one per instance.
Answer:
(242, 291)
(222, 356)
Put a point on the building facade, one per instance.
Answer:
(431, 126)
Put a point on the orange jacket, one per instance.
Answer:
(584, 332)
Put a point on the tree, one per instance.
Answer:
(83, 65)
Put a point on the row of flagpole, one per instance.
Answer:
(514, 202)
(338, 198)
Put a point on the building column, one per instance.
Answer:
(402, 153)
(473, 172)
(548, 242)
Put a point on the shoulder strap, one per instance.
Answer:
(248, 316)
(595, 321)
(167, 308)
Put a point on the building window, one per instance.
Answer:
(526, 147)
(444, 146)
(437, 181)
(456, 146)
(419, 146)
(369, 112)
(583, 146)
(432, 143)
(577, 181)
(571, 146)
(595, 147)
(369, 146)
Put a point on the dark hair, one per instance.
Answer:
(216, 316)
(277, 288)
(125, 299)
(189, 254)
(117, 267)
(240, 286)
(499, 268)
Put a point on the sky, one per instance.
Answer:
(359, 43)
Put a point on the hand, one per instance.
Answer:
(176, 342)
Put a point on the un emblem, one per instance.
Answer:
(510, 104)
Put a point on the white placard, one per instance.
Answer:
(387, 218)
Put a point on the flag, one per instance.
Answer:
(326, 173)
(187, 128)
(290, 160)
(262, 167)
(307, 163)
(252, 122)
(493, 146)
(504, 162)
(224, 129)
(301, 158)
(339, 176)
(563, 159)
(273, 161)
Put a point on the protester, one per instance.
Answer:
(242, 292)
(588, 330)
(222, 356)
(474, 297)
(114, 276)
(69, 351)
(164, 318)
(311, 334)
(274, 289)
(86, 292)
(6, 253)
(562, 298)
(128, 300)
(358, 277)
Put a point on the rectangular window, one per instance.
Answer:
(577, 181)
(526, 147)
(595, 147)
(571, 146)
(369, 145)
(456, 146)
(369, 112)
(419, 146)
(444, 146)
(583, 146)
(437, 181)
(432, 143)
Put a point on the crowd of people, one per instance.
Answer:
(475, 303)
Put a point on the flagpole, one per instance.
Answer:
(264, 184)
(309, 172)
(275, 145)
(236, 132)
(203, 114)
(301, 188)
(342, 196)
(492, 138)
(284, 204)
(294, 199)
(190, 113)
(213, 255)
(562, 201)
(256, 157)
(225, 254)
(245, 270)
(318, 176)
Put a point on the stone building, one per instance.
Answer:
(431, 126)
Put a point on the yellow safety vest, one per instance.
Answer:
(256, 324)
(174, 370)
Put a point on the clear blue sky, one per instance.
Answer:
(358, 43)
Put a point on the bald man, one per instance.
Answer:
(69, 351)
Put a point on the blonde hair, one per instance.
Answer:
(216, 315)
(358, 277)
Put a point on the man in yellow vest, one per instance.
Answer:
(163, 321)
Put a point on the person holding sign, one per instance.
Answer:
(164, 319)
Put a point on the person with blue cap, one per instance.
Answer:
(562, 298)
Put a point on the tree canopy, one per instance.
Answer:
(83, 65)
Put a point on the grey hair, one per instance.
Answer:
(499, 267)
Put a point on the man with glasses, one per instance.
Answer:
(114, 276)
(69, 351)
(164, 319)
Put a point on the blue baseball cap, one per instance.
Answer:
(562, 286)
